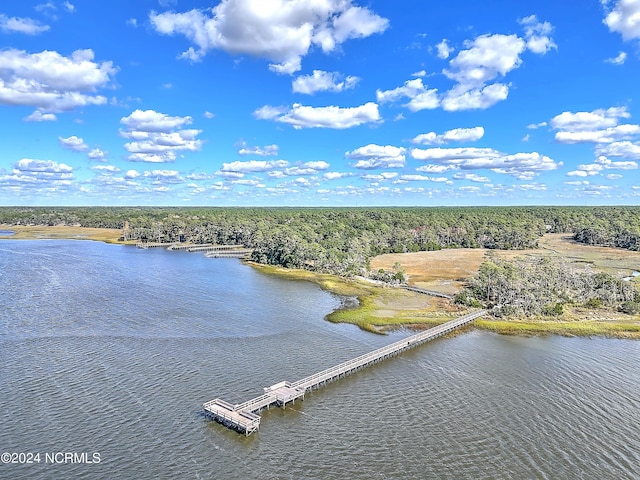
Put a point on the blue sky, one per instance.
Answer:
(319, 102)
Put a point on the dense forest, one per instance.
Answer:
(545, 286)
(343, 240)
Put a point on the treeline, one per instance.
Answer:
(618, 228)
(544, 287)
(343, 240)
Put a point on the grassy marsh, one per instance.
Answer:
(37, 232)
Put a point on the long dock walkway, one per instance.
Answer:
(244, 417)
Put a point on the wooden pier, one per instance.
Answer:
(433, 293)
(244, 417)
(211, 250)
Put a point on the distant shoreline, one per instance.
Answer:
(379, 309)
(62, 232)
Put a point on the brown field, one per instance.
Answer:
(62, 232)
(448, 270)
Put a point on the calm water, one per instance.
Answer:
(112, 350)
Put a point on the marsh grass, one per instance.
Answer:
(588, 328)
(60, 232)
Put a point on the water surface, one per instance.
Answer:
(113, 349)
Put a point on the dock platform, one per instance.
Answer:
(244, 417)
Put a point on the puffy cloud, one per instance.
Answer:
(607, 135)
(380, 176)
(321, 81)
(307, 168)
(443, 48)
(246, 182)
(472, 177)
(589, 121)
(279, 30)
(97, 154)
(537, 35)
(300, 116)
(253, 166)
(27, 165)
(420, 97)
(39, 116)
(455, 135)
(156, 137)
(52, 82)
(268, 112)
(30, 176)
(106, 168)
(623, 17)
(336, 175)
(534, 126)
(486, 58)
(416, 178)
(73, 143)
(624, 149)
(619, 60)
(461, 98)
(520, 165)
(430, 168)
(377, 156)
(21, 25)
(317, 165)
(475, 69)
(539, 187)
(266, 151)
(600, 127)
(161, 177)
(152, 121)
(602, 163)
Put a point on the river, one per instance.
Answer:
(112, 350)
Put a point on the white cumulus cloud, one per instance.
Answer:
(520, 165)
(420, 97)
(301, 116)
(455, 135)
(321, 81)
(623, 17)
(619, 60)
(253, 166)
(279, 30)
(73, 143)
(157, 137)
(443, 49)
(266, 151)
(377, 156)
(52, 82)
(21, 25)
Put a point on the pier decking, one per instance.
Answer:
(211, 250)
(244, 417)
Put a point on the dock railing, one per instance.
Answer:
(243, 416)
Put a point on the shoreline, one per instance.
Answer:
(382, 309)
(63, 232)
(371, 302)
